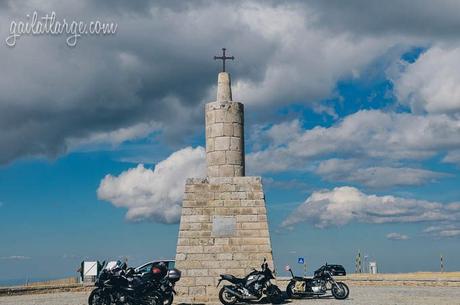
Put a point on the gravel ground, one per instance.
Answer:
(370, 295)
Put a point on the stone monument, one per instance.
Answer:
(223, 227)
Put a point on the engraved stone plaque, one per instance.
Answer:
(223, 226)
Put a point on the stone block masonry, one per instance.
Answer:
(223, 229)
(223, 226)
(224, 120)
(225, 139)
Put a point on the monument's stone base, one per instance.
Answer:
(223, 229)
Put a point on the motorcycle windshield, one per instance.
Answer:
(112, 265)
(269, 274)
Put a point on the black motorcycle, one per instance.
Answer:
(121, 285)
(254, 287)
(320, 284)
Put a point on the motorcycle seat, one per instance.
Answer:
(299, 278)
(231, 278)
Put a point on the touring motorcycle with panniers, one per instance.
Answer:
(123, 286)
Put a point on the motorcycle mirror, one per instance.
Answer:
(287, 268)
(265, 259)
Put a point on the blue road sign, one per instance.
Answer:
(301, 260)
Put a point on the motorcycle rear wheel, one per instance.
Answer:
(290, 291)
(226, 298)
(168, 300)
(98, 297)
(154, 298)
(340, 294)
(275, 296)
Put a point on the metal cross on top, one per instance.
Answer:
(223, 57)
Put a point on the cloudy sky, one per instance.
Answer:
(352, 119)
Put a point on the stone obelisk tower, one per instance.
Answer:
(223, 227)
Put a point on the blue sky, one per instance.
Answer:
(353, 123)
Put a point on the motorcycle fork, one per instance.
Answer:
(334, 283)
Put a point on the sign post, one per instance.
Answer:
(301, 261)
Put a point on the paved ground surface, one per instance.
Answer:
(371, 295)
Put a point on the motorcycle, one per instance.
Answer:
(320, 284)
(254, 287)
(120, 285)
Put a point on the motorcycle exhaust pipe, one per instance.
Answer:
(234, 293)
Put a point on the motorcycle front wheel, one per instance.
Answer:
(341, 292)
(98, 297)
(226, 298)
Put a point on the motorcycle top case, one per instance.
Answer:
(335, 270)
(174, 275)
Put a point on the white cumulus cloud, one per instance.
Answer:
(154, 194)
(368, 147)
(285, 55)
(443, 230)
(343, 205)
(358, 171)
(452, 157)
(432, 83)
(115, 137)
(366, 133)
(306, 61)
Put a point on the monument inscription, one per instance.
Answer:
(223, 226)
